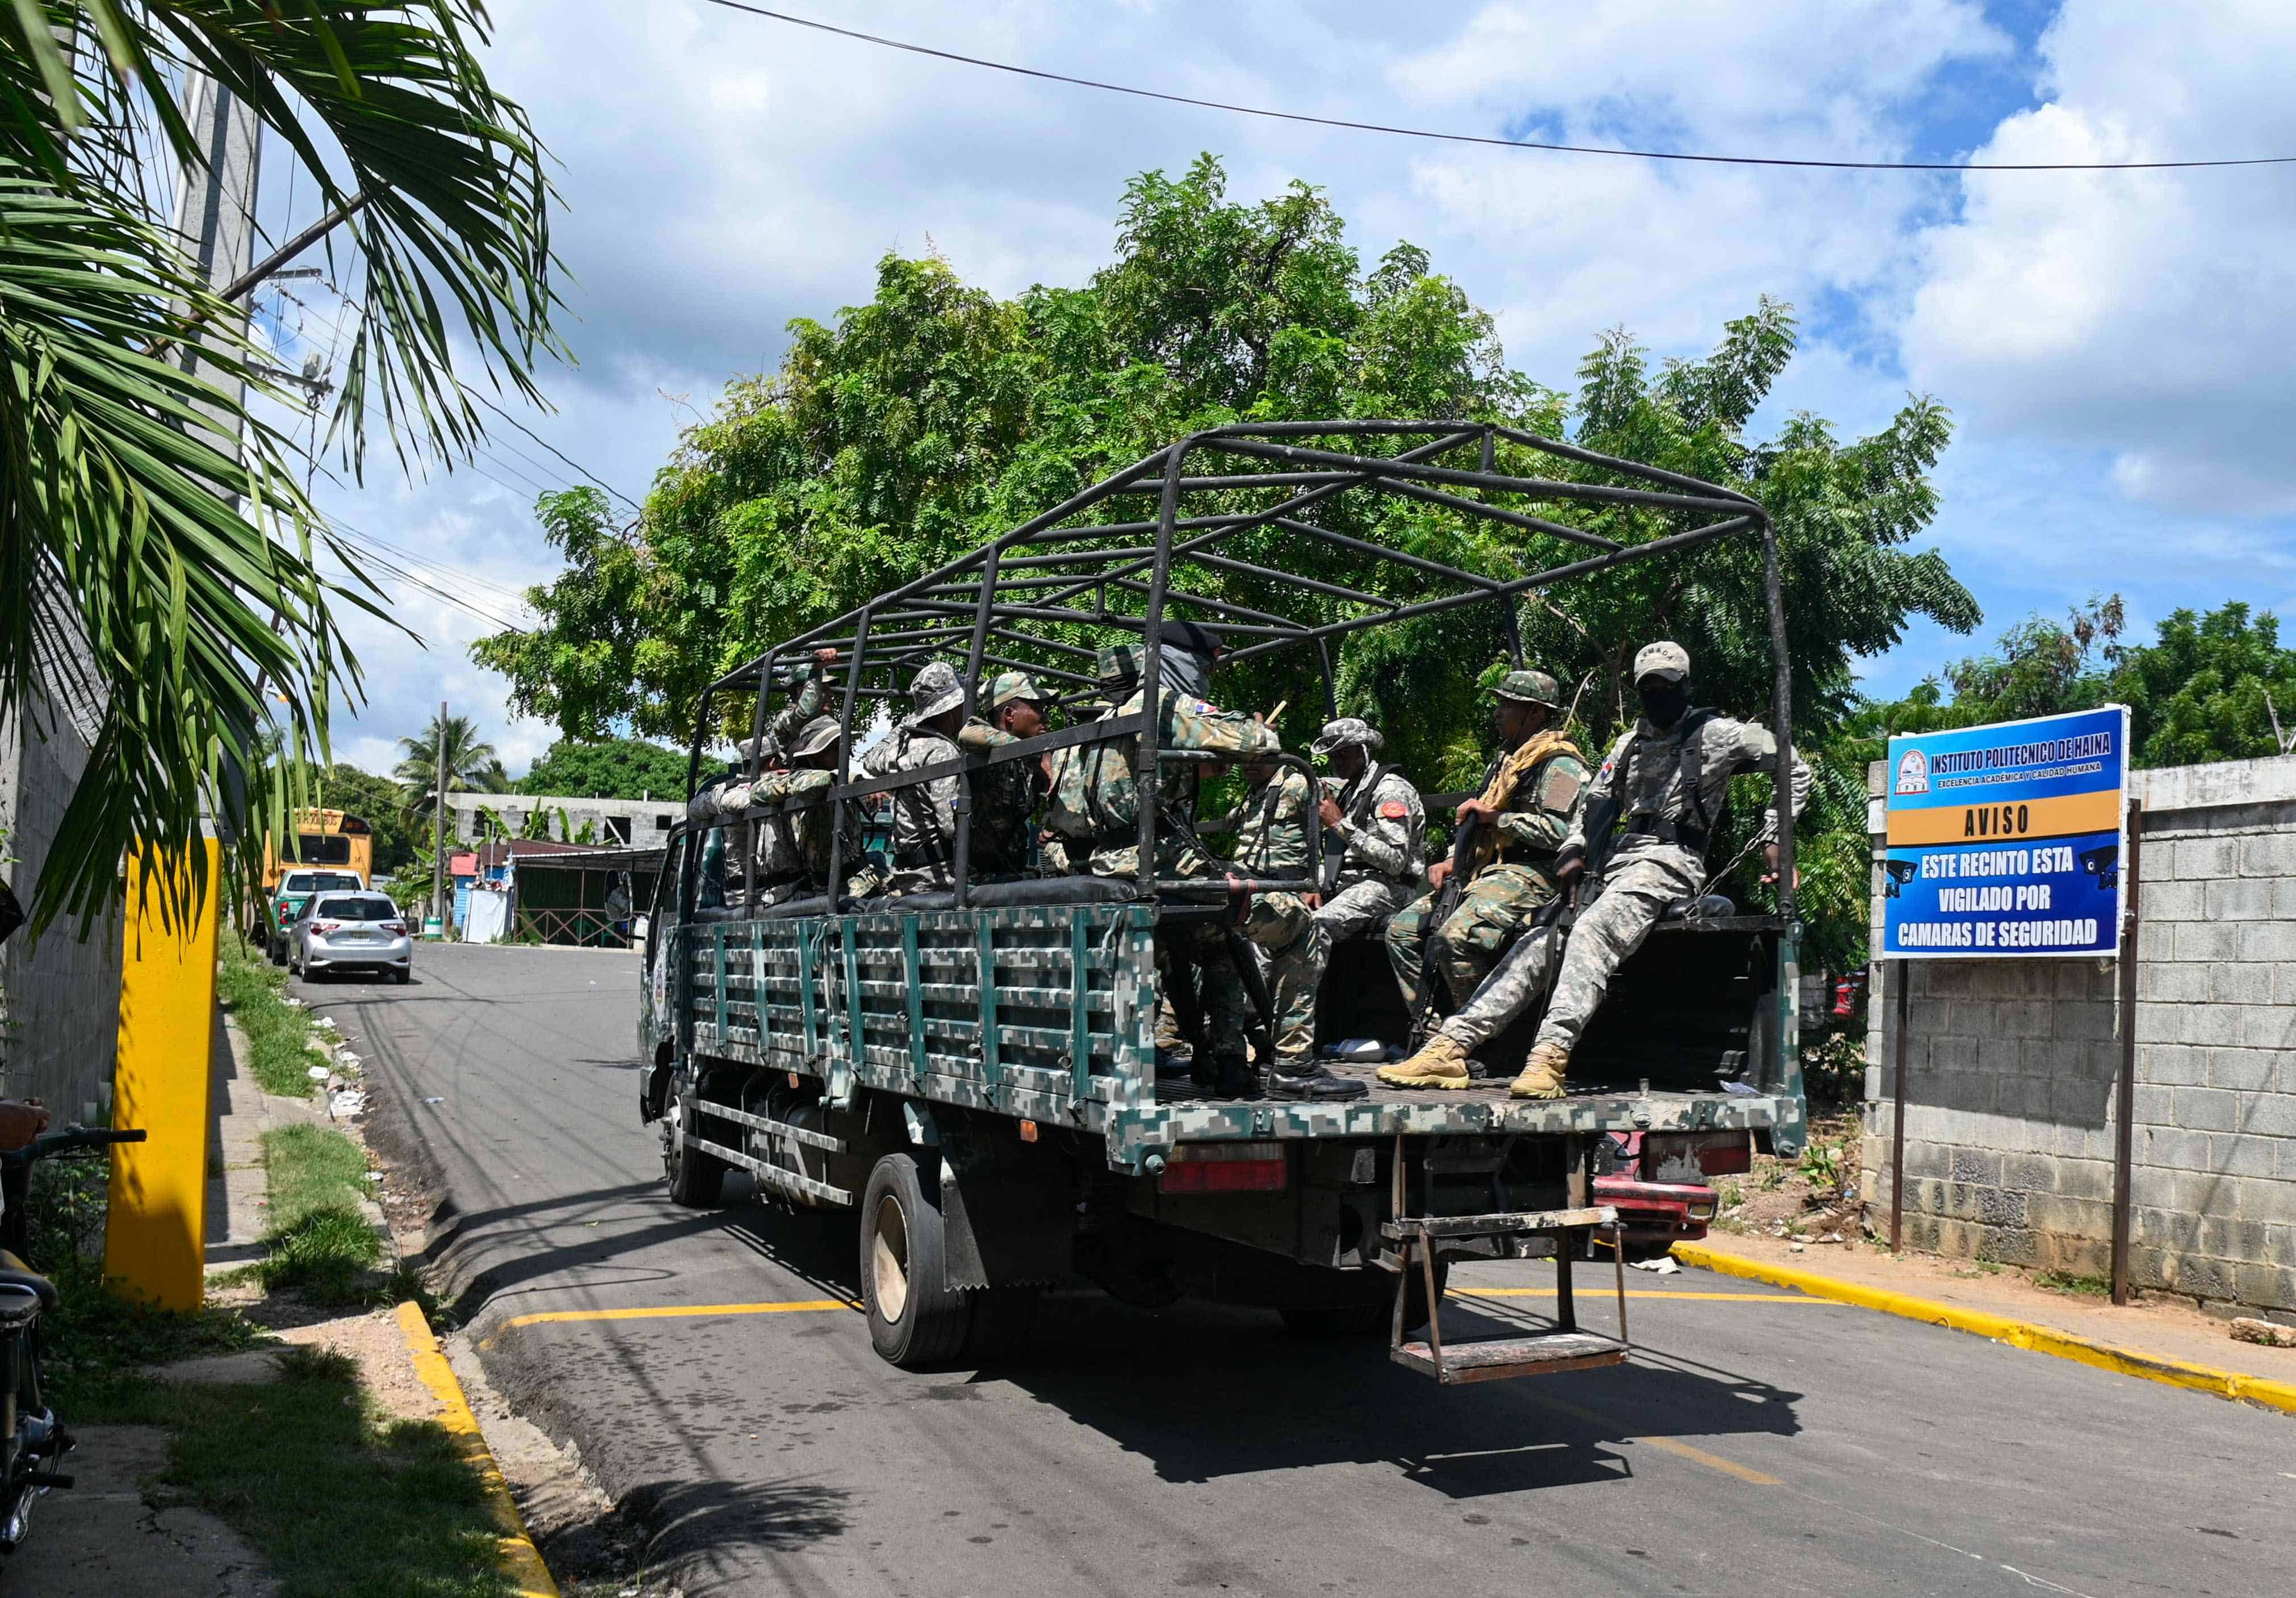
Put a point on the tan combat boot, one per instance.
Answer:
(1542, 1073)
(1441, 1063)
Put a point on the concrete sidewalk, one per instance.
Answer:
(239, 1113)
(2156, 1327)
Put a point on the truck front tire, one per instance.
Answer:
(697, 1181)
(917, 1321)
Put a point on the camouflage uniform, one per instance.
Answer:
(1509, 891)
(1658, 857)
(1005, 796)
(1094, 804)
(1271, 827)
(924, 813)
(1381, 842)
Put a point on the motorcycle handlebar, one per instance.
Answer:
(70, 1137)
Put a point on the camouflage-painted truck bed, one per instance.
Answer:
(1046, 1013)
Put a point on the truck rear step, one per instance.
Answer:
(1562, 1347)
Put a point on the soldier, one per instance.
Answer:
(1656, 802)
(1271, 827)
(804, 704)
(1376, 833)
(1530, 796)
(1095, 812)
(924, 813)
(813, 767)
(1006, 796)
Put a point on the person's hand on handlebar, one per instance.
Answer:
(21, 1121)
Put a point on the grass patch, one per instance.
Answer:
(278, 1034)
(2064, 1281)
(344, 1502)
(319, 1243)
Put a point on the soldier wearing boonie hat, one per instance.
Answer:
(1501, 875)
(924, 813)
(1006, 795)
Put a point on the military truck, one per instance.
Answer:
(974, 1070)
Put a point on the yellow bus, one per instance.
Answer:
(332, 838)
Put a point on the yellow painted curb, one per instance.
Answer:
(2016, 1333)
(529, 1577)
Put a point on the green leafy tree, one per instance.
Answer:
(935, 416)
(472, 764)
(2214, 687)
(151, 525)
(622, 768)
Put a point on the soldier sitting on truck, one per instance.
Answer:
(1500, 875)
(1271, 828)
(813, 768)
(793, 718)
(1094, 813)
(924, 813)
(1006, 796)
(1649, 815)
(1376, 833)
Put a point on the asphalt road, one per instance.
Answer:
(1759, 1442)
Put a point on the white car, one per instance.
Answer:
(340, 931)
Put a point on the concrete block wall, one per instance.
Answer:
(2012, 1066)
(59, 998)
(640, 822)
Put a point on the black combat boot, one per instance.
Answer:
(1312, 1082)
(1236, 1079)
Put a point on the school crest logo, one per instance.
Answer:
(1914, 773)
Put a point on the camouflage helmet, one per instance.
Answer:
(936, 690)
(1120, 665)
(1528, 687)
(1005, 687)
(817, 735)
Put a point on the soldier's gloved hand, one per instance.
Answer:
(1569, 861)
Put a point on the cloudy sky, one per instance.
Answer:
(2114, 347)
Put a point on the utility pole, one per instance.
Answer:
(215, 211)
(438, 831)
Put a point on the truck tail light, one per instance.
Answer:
(1236, 1167)
(1693, 1157)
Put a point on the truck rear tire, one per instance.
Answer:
(697, 1181)
(917, 1321)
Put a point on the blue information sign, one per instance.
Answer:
(2005, 842)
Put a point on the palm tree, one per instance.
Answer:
(472, 764)
(154, 528)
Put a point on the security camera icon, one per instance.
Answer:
(1901, 871)
(2103, 863)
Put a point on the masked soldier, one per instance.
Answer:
(924, 813)
(1654, 803)
(1376, 833)
(1006, 795)
(1271, 827)
(1502, 867)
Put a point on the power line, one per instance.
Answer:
(392, 570)
(580, 469)
(436, 568)
(1471, 138)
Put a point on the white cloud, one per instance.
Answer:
(2111, 346)
(2147, 315)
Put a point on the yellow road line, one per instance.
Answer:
(529, 1578)
(2007, 1329)
(669, 1312)
(1674, 1446)
(1599, 1292)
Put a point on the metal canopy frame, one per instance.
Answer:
(1063, 580)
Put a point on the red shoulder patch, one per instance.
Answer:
(1395, 809)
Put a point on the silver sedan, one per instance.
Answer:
(340, 931)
